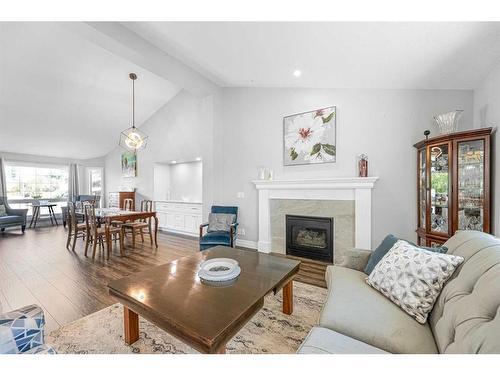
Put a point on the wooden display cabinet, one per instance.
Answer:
(453, 185)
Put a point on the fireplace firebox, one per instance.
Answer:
(310, 237)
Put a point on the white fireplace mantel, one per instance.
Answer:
(358, 189)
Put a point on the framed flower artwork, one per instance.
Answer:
(310, 137)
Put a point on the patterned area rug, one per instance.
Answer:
(269, 331)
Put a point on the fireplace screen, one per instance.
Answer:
(310, 237)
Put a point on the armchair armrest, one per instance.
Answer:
(356, 259)
(17, 211)
(201, 228)
(32, 319)
(233, 232)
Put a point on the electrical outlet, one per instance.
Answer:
(240, 194)
(241, 231)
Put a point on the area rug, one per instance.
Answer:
(269, 331)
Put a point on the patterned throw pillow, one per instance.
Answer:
(3, 210)
(220, 222)
(412, 278)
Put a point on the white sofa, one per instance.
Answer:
(465, 319)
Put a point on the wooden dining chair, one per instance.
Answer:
(75, 229)
(139, 226)
(128, 204)
(100, 234)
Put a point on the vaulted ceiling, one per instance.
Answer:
(65, 91)
(62, 95)
(390, 55)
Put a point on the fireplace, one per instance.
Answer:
(310, 237)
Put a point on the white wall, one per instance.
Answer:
(486, 114)
(186, 181)
(382, 123)
(181, 130)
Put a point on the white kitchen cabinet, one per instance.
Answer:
(179, 217)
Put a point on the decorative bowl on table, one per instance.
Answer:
(219, 270)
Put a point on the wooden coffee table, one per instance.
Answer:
(172, 297)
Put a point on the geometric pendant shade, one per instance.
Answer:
(132, 138)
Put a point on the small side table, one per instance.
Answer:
(36, 213)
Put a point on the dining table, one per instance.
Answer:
(107, 215)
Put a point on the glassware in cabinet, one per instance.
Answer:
(440, 187)
(470, 181)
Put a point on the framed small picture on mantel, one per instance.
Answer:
(310, 137)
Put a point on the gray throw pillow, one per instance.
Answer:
(3, 210)
(387, 243)
(220, 222)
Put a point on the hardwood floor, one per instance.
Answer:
(37, 268)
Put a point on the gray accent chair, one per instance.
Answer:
(14, 218)
(465, 319)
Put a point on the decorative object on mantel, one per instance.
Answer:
(132, 138)
(219, 270)
(363, 165)
(448, 122)
(129, 164)
(310, 137)
(266, 173)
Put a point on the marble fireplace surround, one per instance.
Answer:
(357, 189)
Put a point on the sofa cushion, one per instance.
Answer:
(11, 219)
(355, 309)
(325, 341)
(3, 210)
(466, 316)
(216, 238)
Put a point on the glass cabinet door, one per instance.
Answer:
(422, 189)
(440, 187)
(470, 177)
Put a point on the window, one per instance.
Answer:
(95, 181)
(26, 181)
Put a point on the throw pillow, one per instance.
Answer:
(220, 222)
(386, 244)
(3, 210)
(412, 278)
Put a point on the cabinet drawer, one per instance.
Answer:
(193, 209)
(161, 206)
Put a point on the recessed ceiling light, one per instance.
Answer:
(297, 73)
(198, 159)
(173, 162)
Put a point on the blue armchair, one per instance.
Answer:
(21, 332)
(225, 238)
(14, 217)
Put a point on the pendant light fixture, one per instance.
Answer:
(132, 138)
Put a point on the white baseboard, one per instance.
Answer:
(246, 243)
(165, 230)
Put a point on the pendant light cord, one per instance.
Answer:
(133, 103)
